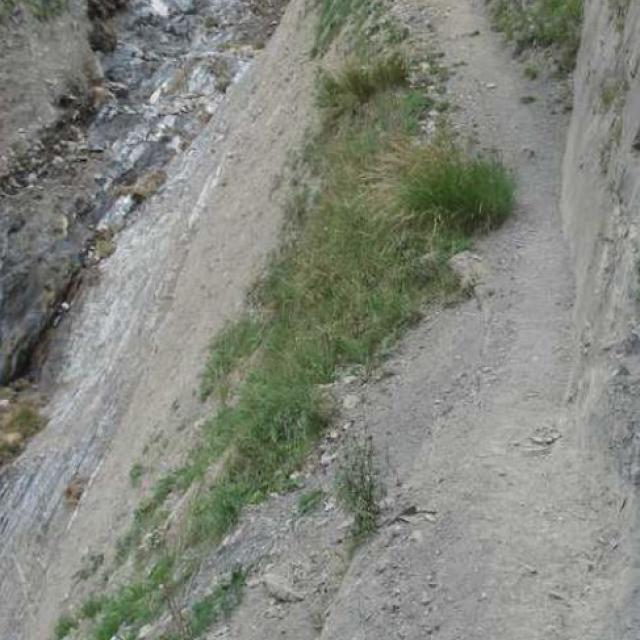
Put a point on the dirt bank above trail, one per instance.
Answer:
(601, 205)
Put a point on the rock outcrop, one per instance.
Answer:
(601, 209)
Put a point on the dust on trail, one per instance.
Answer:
(137, 340)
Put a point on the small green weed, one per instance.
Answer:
(92, 607)
(64, 626)
(310, 501)
(235, 343)
(133, 605)
(619, 10)
(531, 72)
(135, 474)
(20, 422)
(613, 93)
(25, 419)
(359, 487)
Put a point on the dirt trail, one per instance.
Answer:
(138, 339)
(477, 421)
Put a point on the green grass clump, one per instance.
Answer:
(237, 342)
(543, 23)
(310, 501)
(439, 187)
(613, 93)
(92, 607)
(355, 84)
(135, 474)
(65, 625)
(133, 605)
(333, 15)
(359, 487)
(20, 422)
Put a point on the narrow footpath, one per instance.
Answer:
(478, 421)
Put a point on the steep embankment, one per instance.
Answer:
(130, 355)
(600, 205)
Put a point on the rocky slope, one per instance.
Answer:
(127, 358)
(101, 128)
(600, 207)
(47, 66)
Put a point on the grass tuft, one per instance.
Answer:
(356, 84)
(333, 16)
(133, 605)
(65, 625)
(18, 423)
(438, 187)
(235, 343)
(135, 474)
(310, 501)
(359, 487)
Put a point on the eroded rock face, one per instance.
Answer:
(601, 205)
(99, 128)
(45, 69)
(103, 36)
